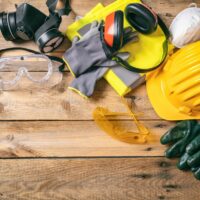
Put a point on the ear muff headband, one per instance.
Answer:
(119, 27)
(113, 33)
(145, 21)
(51, 4)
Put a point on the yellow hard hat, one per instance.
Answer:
(174, 90)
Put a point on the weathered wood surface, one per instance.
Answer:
(59, 103)
(96, 179)
(70, 139)
(50, 147)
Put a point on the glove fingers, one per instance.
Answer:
(85, 84)
(94, 24)
(182, 164)
(130, 39)
(75, 40)
(171, 136)
(124, 55)
(132, 33)
(194, 169)
(128, 30)
(93, 30)
(176, 133)
(197, 174)
(194, 146)
(194, 160)
(130, 36)
(175, 150)
(192, 130)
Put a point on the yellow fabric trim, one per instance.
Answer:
(68, 67)
(79, 92)
(117, 84)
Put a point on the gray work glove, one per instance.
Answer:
(85, 84)
(89, 51)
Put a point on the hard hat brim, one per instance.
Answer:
(160, 102)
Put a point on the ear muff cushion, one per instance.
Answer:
(119, 27)
(141, 18)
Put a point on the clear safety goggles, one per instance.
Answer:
(28, 72)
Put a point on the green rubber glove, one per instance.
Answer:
(192, 160)
(182, 164)
(179, 136)
(188, 160)
(197, 173)
(194, 145)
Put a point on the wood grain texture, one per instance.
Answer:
(60, 103)
(73, 139)
(96, 179)
(37, 154)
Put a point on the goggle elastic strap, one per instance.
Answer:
(53, 58)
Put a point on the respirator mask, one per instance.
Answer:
(29, 23)
(185, 28)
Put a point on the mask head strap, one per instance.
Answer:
(52, 4)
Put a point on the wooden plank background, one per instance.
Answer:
(50, 147)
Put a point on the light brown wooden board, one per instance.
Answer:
(96, 179)
(147, 178)
(60, 103)
(73, 139)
